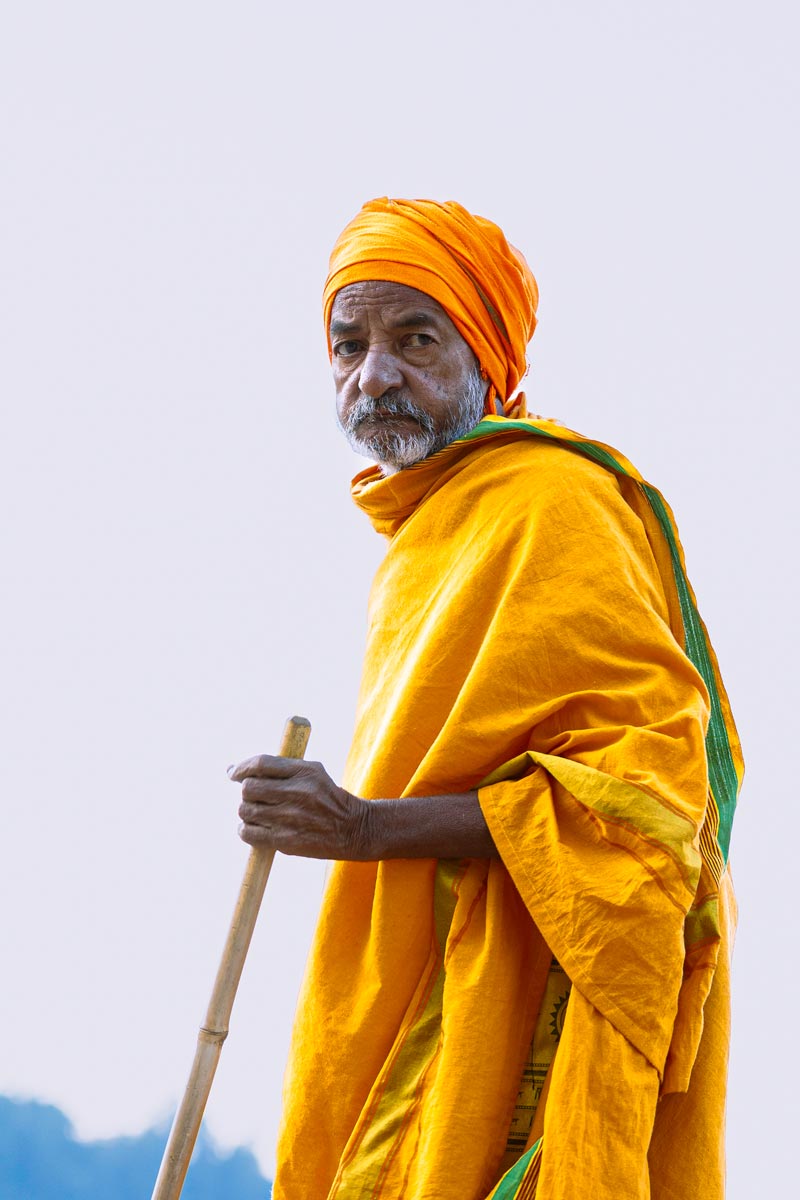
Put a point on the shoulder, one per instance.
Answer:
(550, 503)
(524, 473)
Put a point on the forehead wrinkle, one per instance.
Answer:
(398, 305)
(416, 318)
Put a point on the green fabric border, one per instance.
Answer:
(507, 1187)
(721, 769)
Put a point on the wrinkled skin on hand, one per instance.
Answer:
(294, 806)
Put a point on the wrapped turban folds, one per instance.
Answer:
(464, 263)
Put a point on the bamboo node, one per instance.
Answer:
(213, 1035)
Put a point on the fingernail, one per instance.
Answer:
(229, 770)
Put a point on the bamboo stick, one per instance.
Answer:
(214, 1030)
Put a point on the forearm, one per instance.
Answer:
(295, 807)
(450, 826)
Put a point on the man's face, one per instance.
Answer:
(407, 383)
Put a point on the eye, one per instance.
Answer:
(346, 349)
(418, 341)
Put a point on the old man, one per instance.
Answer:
(519, 981)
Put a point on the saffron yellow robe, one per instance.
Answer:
(528, 632)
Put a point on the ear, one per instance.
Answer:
(490, 401)
(492, 406)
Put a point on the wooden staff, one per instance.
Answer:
(214, 1030)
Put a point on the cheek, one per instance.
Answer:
(346, 395)
(345, 373)
(435, 389)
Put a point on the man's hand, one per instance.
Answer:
(294, 806)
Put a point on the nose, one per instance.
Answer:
(380, 372)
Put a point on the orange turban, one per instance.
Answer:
(463, 262)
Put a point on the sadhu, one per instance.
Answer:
(519, 985)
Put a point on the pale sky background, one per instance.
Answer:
(182, 564)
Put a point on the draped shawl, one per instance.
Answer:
(532, 633)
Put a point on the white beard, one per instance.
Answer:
(394, 449)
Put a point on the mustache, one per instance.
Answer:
(393, 403)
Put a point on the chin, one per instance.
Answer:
(392, 451)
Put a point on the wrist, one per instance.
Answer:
(364, 839)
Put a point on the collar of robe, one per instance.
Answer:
(389, 500)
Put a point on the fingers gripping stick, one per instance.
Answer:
(214, 1029)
